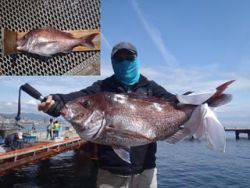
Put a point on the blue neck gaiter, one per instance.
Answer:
(127, 71)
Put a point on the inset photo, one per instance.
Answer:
(50, 37)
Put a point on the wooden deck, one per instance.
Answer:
(14, 159)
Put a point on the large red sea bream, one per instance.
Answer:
(126, 120)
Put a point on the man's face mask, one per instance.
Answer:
(126, 68)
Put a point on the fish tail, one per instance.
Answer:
(215, 99)
(88, 41)
(203, 121)
(219, 98)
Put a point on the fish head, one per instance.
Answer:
(86, 115)
(79, 108)
(23, 44)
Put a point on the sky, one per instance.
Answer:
(182, 45)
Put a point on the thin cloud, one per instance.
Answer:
(155, 35)
(105, 41)
(11, 107)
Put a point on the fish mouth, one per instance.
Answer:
(19, 45)
(83, 123)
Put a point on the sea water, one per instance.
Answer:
(185, 164)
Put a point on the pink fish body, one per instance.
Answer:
(124, 121)
(49, 41)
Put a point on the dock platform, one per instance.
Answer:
(43, 150)
(238, 131)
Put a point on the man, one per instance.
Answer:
(50, 129)
(18, 140)
(113, 171)
(56, 128)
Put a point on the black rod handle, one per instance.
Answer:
(32, 91)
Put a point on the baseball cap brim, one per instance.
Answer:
(123, 46)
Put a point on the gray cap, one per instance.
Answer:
(123, 45)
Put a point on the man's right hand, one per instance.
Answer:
(52, 105)
(46, 105)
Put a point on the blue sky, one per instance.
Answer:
(183, 45)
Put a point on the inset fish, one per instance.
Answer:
(123, 121)
(49, 41)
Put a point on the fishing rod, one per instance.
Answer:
(30, 91)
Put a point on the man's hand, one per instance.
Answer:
(52, 105)
(46, 105)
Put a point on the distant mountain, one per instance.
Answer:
(32, 116)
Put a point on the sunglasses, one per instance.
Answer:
(118, 57)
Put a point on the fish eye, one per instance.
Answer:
(86, 104)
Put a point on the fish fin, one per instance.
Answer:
(144, 97)
(66, 52)
(123, 153)
(220, 89)
(128, 133)
(67, 34)
(188, 128)
(178, 136)
(88, 41)
(43, 44)
(219, 98)
(51, 48)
